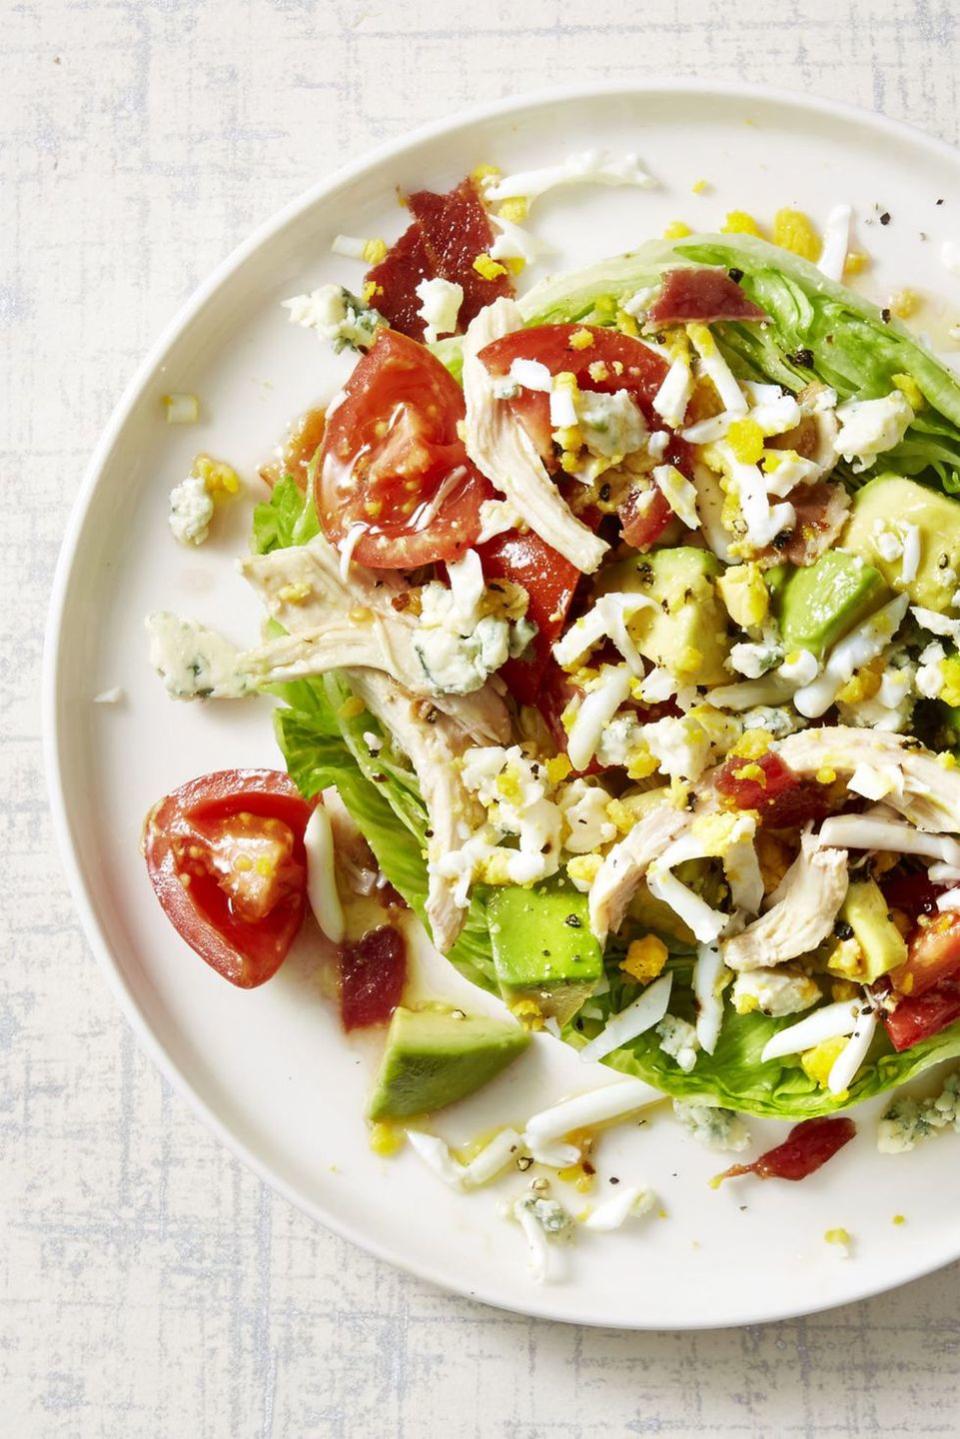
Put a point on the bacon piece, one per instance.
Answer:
(821, 515)
(701, 296)
(373, 972)
(447, 234)
(780, 797)
(806, 1149)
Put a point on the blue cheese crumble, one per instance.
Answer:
(709, 1124)
(908, 1120)
(191, 510)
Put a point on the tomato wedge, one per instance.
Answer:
(629, 364)
(921, 1017)
(392, 460)
(932, 954)
(550, 581)
(225, 857)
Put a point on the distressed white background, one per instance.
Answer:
(148, 1285)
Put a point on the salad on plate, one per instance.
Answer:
(613, 627)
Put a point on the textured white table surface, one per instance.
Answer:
(148, 1284)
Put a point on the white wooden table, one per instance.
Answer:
(148, 1285)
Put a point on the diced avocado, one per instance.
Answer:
(543, 947)
(822, 601)
(937, 517)
(865, 910)
(433, 1058)
(775, 579)
(688, 635)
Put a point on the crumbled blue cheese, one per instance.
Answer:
(191, 510)
(908, 1120)
(457, 648)
(720, 1129)
(679, 1040)
(336, 315)
(777, 719)
(754, 660)
(612, 425)
(870, 427)
(193, 661)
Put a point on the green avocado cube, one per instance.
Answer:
(435, 1057)
(820, 603)
(865, 910)
(936, 517)
(689, 625)
(543, 947)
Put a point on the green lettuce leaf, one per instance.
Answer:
(287, 518)
(323, 742)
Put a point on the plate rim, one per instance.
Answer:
(542, 1304)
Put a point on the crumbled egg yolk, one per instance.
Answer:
(818, 1061)
(619, 814)
(752, 744)
(481, 173)
(627, 325)
(677, 230)
(515, 210)
(910, 390)
(899, 1219)
(826, 775)
(863, 685)
(558, 768)
(739, 222)
(950, 669)
(838, 1236)
(583, 868)
(641, 764)
(219, 479)
(386, 1139)
(843, 990)
(597, 370)
(374, 251)
(855, 263)
(370, 292)
(352, 708)
(716, 832)
(947, 760)
(795, 231)
(846, 959)
(581, 339)
(905, 303)
(294, 594)
(488, 268)
(579, 1176)
(645, 959)
(700, 187)
(745, 439)
(528, 1012)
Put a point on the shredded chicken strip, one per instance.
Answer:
(930, 794)
(627, 862)
(434, 749)
(803, 914)
(337, 623)
(502, 450)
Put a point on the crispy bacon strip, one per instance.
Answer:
(447, 234)
(701, 296)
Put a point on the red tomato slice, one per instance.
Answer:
(645, 514)
(550, 581)
(917, 1018)
(373, 972)
(641, 371)
(933, 954)
(225, 856)
(391, 452)
(780, 796)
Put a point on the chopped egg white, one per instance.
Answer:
(836, 242)
(708, 975)
(597, 1106)
(675, 393)
(776, 992)
(436, 1156)
(854, 1052)
(854, 651)
(679, 494)
(631, 1201)
(831, 1022)
(640, 1015)
(596, 710)
(113, 696)
(596, 167)
(531, 375)
(321, 875)
(861, 831)
(717, 371)
(513, 242)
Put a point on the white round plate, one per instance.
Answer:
(270, 1070)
